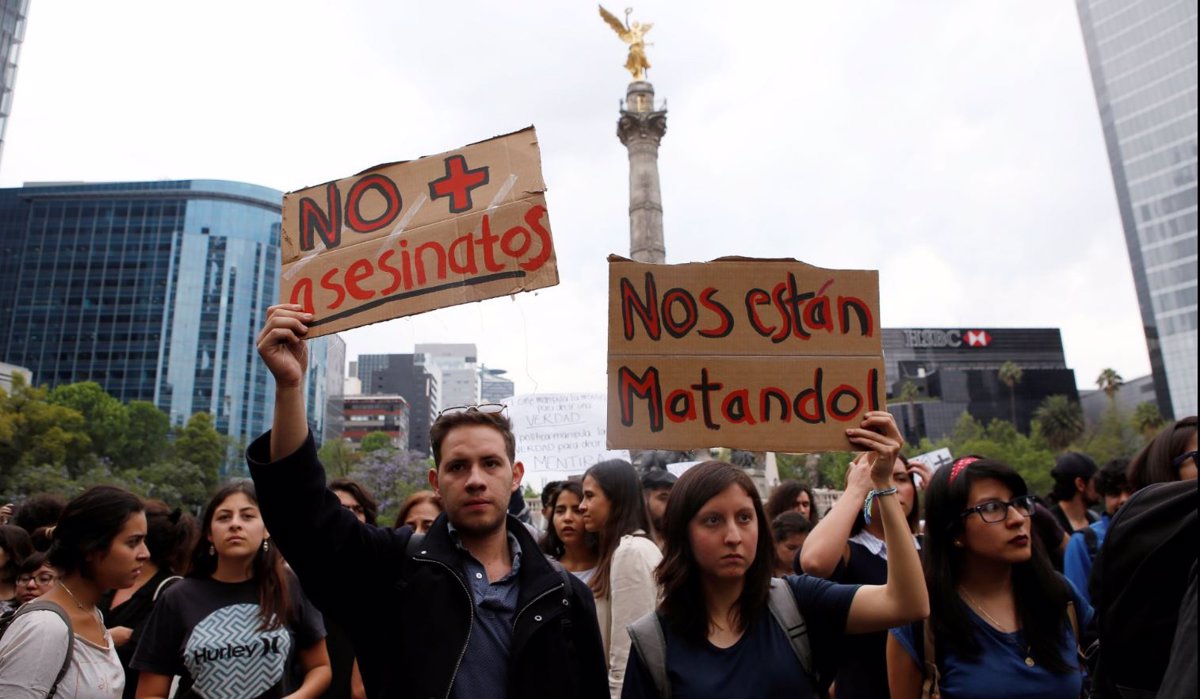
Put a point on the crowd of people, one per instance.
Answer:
(958, 583)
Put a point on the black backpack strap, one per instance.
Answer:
(1092, 541)
(782, 604)
(650, 643)
(42, 605)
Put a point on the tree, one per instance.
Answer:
(200, 444)
(376, 441)
(1110, 382)
(1011, 374)
(1059, 421)
(392, 475)
(1147, 419)
(338, 457)
(147, 439)
(105, 419)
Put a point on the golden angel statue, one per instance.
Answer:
(635, 35)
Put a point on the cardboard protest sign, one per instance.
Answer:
(772, 355)
(559, 434)
(406, 238)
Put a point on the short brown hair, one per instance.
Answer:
(445, 423)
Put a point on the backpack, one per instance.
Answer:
(651, 643)
(35, 605)
(1138, 582)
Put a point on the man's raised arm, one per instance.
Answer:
(282, 348)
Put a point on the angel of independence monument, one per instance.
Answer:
(641, 128)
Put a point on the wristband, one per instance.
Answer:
(870, 497)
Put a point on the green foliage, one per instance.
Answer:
(147, 440)
(338, 457)
(105, 419)
(1147, 419)
(1114, 438)
(1059, 421)
(376, 441)
(199, 444)
(1110, 382)
(832, 468)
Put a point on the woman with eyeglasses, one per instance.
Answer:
(15, 546)
(614, 510)
(237, 595)
(1001, 621)
(1170, 456)
(566, 539)
(35, 577)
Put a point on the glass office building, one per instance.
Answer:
(1142, 55)
(12, 33)
(156, 291)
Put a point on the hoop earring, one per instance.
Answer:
(266, 545)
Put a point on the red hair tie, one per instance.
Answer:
(961, 465)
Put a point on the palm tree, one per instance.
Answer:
(1011, 374)
(1147, 419)
(1110, 382)
(1060, 421)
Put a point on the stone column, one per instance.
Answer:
(641, 128)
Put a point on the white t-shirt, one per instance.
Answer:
(32, 653)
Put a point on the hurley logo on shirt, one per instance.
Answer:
(229, 650)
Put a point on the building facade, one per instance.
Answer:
(459, 371)
(366, 414)
(493, 387)
(12, 34)
(154, 290)
(956, 370)
(1142, 56)
(408, 376)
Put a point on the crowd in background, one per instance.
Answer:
(915, 583)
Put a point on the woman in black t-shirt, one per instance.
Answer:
(235, 627)
(719, 558)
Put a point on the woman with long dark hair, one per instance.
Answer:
(615, 511)
(845, 548)
(1000, 616)
(236, 595)
(419, 511)
(566, 540)
(793, 496)
(170, 536)
(97, 545)
(15, 547)
(721, 617)
(1170, 456)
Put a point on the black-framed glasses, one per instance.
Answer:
(1178, 460)
(995, 511)
(486, 409)
(42, 580)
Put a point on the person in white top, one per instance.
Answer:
(99, 545)
(613, 508)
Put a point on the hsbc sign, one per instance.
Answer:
(922, 339)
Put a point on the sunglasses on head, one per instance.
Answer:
(486, 409)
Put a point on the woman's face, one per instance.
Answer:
(568, 523)
(804, 504)
(121, 564)
(35, 585)
(785, 550)
(1008, 540)
(724, 534)
(421, 515)
(595, 507)
(237, 529)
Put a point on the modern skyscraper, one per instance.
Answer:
(155, 290)
(493, 387)
(459, 371)
(1142, 55)
(408, 376)
(12, 33)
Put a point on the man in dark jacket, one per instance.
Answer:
(471, 611)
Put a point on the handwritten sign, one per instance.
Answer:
(559, 434)
(409, 237)
(770, 355)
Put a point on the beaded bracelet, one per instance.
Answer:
(870, 497)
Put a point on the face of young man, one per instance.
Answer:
(475, 479)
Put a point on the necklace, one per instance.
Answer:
(1029, 662)
(72, 594)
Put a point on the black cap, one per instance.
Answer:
(658, 478)
(1071, 465)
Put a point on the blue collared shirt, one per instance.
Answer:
(483, 671)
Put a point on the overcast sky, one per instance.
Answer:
(955, 147)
